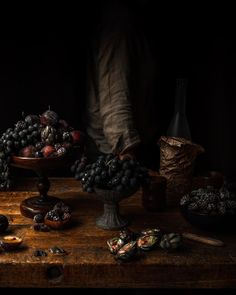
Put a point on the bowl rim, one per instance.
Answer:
(185, 210)
(57, 221)
(69, 153)
(38, 159)
(57, 224)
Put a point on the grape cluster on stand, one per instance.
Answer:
(109, 172)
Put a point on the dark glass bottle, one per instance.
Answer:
(179, 126)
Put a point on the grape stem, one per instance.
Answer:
(109, 162)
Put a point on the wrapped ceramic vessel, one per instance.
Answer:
(177, 158)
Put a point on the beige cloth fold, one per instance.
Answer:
(112, 102)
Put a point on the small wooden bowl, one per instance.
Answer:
(9, 243)
(57, 224)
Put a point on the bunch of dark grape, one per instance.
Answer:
(26, 132)
(210, 201)
(109, 172)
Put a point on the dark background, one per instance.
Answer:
(42, 63)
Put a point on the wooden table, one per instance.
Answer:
(89, 264)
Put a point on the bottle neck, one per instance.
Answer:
(180, 98)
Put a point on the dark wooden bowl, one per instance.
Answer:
(41, 164)
(208, 222)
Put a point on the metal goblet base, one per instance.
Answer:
(111, 219)
(37, 205)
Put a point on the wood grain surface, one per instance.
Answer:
(89, 263)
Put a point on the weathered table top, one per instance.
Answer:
(89, 264)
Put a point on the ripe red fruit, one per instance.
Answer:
(49, 118)
(77, 136)
(48, 150)
(28, 151)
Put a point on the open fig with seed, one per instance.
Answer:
(151, 232)
(115, 244)
(147, 243)
(127, 252)
(127, 235)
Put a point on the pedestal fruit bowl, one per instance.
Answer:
(40, 143)
(41, 203)
(111, 218)
(112, 180)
